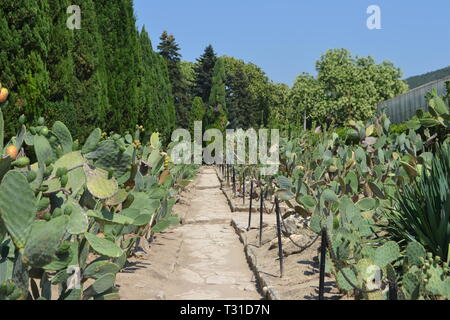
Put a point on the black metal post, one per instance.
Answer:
(243, 187)
(393, 290)
(323, 257)
(280, 244)
(227, 169)
(234, 181)
(250, 209)
(261, 216)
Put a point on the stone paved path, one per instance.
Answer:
(201, 259)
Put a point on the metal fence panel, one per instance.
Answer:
(405, 106)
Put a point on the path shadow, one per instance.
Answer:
(329, 286)
(132, 267)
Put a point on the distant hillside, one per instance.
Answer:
(417, 81)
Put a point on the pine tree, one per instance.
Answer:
(24, 32)
(217, 99)
(204, 71)
(169, 50)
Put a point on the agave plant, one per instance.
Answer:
(422, 210)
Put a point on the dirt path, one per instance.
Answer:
(201, 259)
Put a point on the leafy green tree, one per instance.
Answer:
(280, 112)
(307, 101)
(169, 50)
(204, 72)
(24, 38)
(355, 85)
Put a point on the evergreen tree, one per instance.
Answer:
(61, 67)
(117, 26)
(90, 91)
(204, 71)
(217, 99)
(24, 32)
(158, 108)
(169, 50)
(197, 113)
(240, 99)
(248, 94)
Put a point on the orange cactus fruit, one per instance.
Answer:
(3, 95)
(12, 152)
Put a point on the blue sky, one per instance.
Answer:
(286, 37)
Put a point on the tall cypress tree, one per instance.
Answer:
(89, 94)
(156, 92)
(204, 71)
(197, 113)
(24, 31)
(120, 39)
(217, 99)
(169, 50)
(60, 66)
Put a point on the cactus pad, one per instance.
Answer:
(101, 285)
(98, 183)
(78, 221)
(387, 253)
(17, 206)
(92, 141)
(103, 246)
(97, 269)
(44, 241)
(43, 150)
(414, 251)
(60, 130)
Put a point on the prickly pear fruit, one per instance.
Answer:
(68, 210)
(12, 152)
(31, 176)
(44, 131)
(21, 162)
(48, 170)
(76, 145)
(57, 212)
(60, 172)
(64, 180)
(22, 119)
(41, 121)
(3, 95)
(43, 204)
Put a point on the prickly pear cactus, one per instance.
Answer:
(44, 209)
(17, 207)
